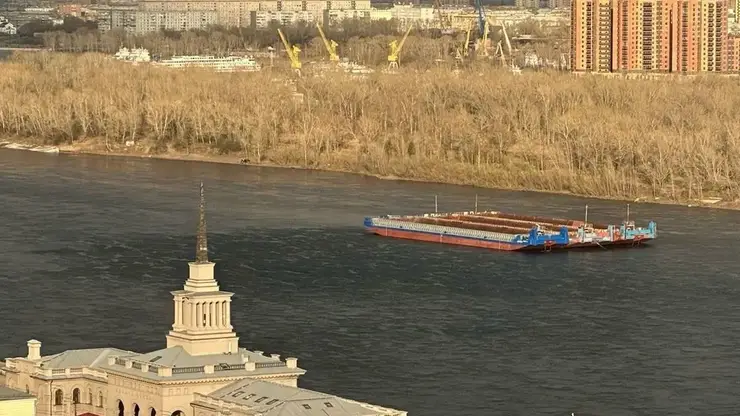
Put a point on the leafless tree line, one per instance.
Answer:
(546, 131)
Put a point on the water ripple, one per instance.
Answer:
(94, 245)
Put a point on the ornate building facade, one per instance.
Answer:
(202, 371)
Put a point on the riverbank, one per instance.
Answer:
(140, 151)
(597, 137)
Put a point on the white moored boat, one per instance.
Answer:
(223, 64)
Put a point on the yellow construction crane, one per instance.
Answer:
(444, 21)
(464, 49)
(396, 49)
(330, 45)
(293, 53)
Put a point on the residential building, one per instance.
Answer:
(713, 35)
(681, 36)
(558, 4)
(118, 17)
(201, 361)
(642, 35)
(153, 15)
(733, 54)
(75, 10)
(592, 40)
(16, 403)
(527, 4)
(700, 36)
(147, 21)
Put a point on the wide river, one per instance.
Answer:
(92, 246)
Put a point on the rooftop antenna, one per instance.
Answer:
(476, 203)
(628, 212)
(585, 220)
(435, 204)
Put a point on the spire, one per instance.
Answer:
(201, 249)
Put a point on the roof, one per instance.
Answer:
(178, 357)
(226, 365)
(81, 358)
(10, 394)
(266, 398)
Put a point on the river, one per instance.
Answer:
(93, 246)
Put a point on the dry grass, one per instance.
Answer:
(554, 132)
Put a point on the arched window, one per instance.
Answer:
(89, 397)
(27, 390)
(152, 412)
(121, 409)
(178, 413)
(136, 409)
(100, 399)
(58, 397)
(76, 396)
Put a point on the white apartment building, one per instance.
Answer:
(153, 15)
(174, 20)
(422, 17)
(185, 15)
(119, 17)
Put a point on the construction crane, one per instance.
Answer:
(483, 29)
(464, 49)
(481, 18)
(330, 45)
(444, 21)
(293, 53)
(500, 49)
(396, 49)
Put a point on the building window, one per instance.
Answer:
(58, 397)
(76, 396)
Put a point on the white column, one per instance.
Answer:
(220, 314)
(178, 312)
(228, 312)
(199, 315)
(212, 321)
(203, 314)
(193, 314)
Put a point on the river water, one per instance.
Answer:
(93, 245)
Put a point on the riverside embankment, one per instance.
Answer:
(607, 138)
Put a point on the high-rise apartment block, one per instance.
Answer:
(591, 36)
(649, 35)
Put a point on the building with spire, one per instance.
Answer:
(202, 371)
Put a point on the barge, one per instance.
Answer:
(510, 232)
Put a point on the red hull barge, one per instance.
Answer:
(509, 232)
